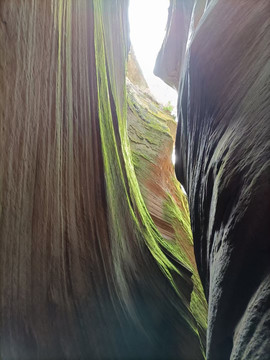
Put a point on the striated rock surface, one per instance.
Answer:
(151, 131)
(84, 271)
(223, 147)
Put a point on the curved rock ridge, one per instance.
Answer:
(223, 147)
(84, 271)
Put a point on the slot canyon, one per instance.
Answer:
(107, 250)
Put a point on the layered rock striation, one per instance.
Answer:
(151, 130)
(84, 270)
(223, 147)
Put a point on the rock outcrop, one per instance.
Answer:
(223, 147)
(84, 271)
(171, 55)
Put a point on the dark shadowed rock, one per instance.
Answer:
(223, 151)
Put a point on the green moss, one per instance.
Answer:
(153, 119)
(178, 219)
(138, 160)
(122, 188)
(168, 108)
(152, 122)
(112, 165)
(175, 216)
(198, 304)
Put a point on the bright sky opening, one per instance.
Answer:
(148, 19)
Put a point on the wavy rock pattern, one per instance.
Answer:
(223, 147)
(84, 272)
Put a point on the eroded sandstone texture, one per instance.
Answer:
(151, 131)
(223, 149)
(84, 271)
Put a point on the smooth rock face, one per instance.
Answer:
(183, 18)
(223, 151)
(171, 55)
(83, 269)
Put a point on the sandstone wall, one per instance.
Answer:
(83, 270)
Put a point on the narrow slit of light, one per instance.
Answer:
(148, 19)
(173, 156)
